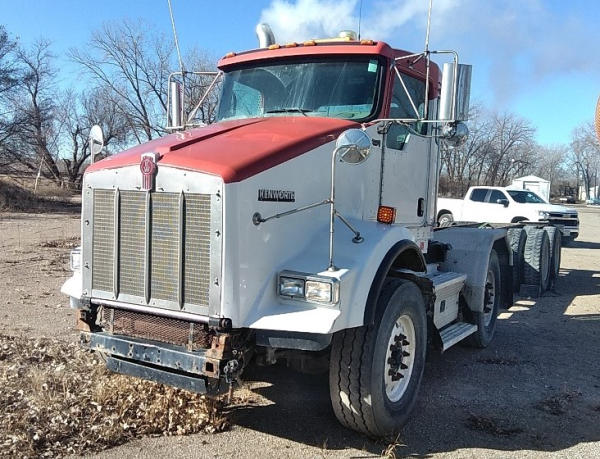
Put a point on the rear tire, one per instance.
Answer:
(486, 319)
(375, 371)
(537, 259)
(555, 237)
(445, 220)
(517, 237)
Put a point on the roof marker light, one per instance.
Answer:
(367, 42)
(231, 54)
(291, 45)
(274, 46)
(309, 43)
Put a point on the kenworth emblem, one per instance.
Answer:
(148, 167)
(276, 195)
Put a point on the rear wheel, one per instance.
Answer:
(376, 370)
(536, 269)
(555, 237)
(517, 238)
(486, 319)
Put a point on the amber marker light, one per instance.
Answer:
(386, 214)
(275, 46)
(231, 54)
(291, 45)
(366, 42)
(309, 43)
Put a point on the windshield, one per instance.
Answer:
(332, 87)
(525, 197)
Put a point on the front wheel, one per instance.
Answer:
(376, 370)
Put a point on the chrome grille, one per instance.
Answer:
(132, 242)
(162, 254)
(196, 241)
(103, 240)
(165, 246)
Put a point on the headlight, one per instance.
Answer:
(543, 214)
(292, 287)
(318, 291)
(308, 287)
(75, 259)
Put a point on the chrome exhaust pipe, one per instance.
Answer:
(265, 35)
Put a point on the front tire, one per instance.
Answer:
(376, 370)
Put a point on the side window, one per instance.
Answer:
(402, 108)
(478, 194)
(495, 195)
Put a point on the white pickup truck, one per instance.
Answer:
(506, 205)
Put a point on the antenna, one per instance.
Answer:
(359, 18)
(175, 35)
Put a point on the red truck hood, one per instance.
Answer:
(235, 150)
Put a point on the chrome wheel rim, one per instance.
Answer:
(490, 297)
(399, 358)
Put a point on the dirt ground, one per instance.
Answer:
(535, 391)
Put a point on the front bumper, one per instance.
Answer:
(199, 371)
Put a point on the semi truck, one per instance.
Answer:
(299, 227)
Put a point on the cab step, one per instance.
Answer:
(456, 332)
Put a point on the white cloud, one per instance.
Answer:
(520, 41)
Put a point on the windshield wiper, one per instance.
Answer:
(304, 111)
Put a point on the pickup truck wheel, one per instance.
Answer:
(375, 371)
(536, 269)
(517, 238)
(555, 237)
(486, 319)
(445, 220)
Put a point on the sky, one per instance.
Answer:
(538, 59)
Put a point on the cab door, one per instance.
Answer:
(407, 156)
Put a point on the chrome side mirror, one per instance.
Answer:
(96, 141)
(353, 146)
(455, 134)
(456, 92)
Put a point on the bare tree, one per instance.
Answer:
(133, 68)
(499, 147)
(585, 155)
(79, 113)
(35, 139)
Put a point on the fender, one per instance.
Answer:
(359, 265)
(470, 253)
(404, 253)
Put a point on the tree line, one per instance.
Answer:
(502, 147)
(123, 69)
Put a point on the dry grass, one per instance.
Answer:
(65, 243)
(14, 197)
(56, 399)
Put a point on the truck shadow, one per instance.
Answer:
(536, 388)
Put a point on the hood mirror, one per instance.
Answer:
(353, 146)
(96, 141)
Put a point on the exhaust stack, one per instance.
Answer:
(265, 35)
